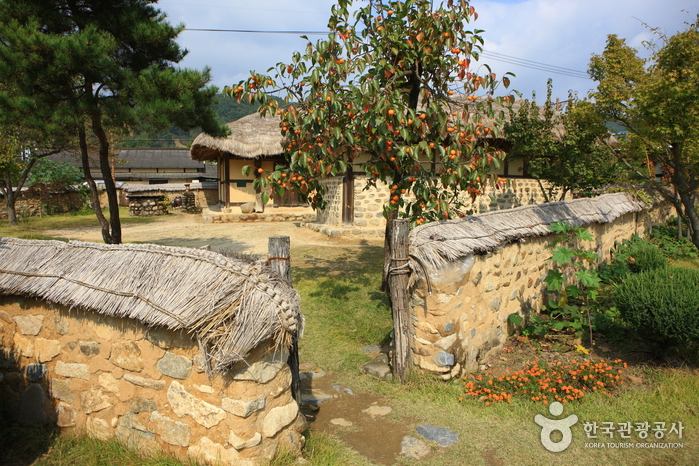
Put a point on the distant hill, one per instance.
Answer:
(226, 108)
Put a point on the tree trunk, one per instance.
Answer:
(398, 275)
(689, 200)
(109, 185)
(94, 193)
(10, 201)
(279, 248)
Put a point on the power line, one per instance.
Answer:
(252, 31)
(535, 65)
(538, 66)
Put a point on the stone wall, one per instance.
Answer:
(332, 214)
(369, 203)
(146, 387)
(464, 321)
(31, 205)
(517, 192)
(146, 205)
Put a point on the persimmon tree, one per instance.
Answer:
(657, 103)
(379, 93)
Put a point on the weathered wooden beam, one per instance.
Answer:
(279, 248)
(398, 275)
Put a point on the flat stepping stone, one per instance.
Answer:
(414, 447)
(341, 422)
(442, 436)
(378, 410)
(315, 396)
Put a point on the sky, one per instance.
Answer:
(520, 35)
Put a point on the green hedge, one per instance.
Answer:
(662, 304)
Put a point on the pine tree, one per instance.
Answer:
(103, 69)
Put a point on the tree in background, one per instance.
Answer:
(657, 103)
(377, 94)
(103, 68)
(559, 143)
(49, 177)
(19, 153)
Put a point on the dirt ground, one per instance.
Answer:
(185, 230)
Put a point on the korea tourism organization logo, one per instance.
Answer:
(606, 434)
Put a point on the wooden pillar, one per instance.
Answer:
(227, 179)
(398, 274)
(279, 248)
(348, 197)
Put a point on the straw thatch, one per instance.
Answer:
(251, 137)
(229, 305)
(433, 245)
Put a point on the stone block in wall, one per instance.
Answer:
(177, 367)
(278, 418)
(30, 325)
(171, 431)
(127, 355)
(243, 408)
(134, 435)
(185, 404)
(145, 382)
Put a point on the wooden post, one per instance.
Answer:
(348, 197)
(279, 248)
(398, 274)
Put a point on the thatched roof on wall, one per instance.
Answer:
(436, 244)
(251, 137)
(229, 305)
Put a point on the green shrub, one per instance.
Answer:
(662, 304)
(665, 236)
(639, 255)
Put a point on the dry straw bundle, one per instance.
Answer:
(229, 305)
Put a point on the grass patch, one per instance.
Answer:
(323, 450)
(344, 308)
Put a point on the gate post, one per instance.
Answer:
(398, 274)
(279, 248)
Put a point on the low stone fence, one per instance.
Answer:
(147, 387)
(146, 205)
(483, 268)
(162, 348)
(33, 205)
